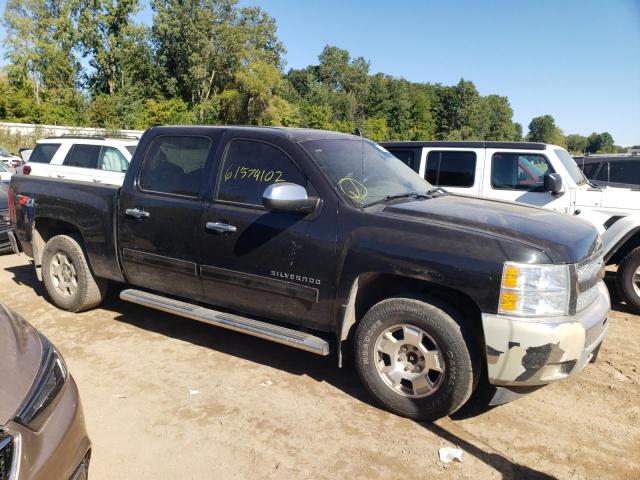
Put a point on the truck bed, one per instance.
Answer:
(89, 207)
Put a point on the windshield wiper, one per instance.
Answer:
(400, 195)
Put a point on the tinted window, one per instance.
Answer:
(44, 152)
(84, 156)
(519, 171)
(603, 174)
(451, 169)
(625, 172)
(113, 160)
(131, 148)
(407, 157)
(250, 167)
(175, 165)
(590, 169)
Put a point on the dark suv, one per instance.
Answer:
(614, 170)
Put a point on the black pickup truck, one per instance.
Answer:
(318, 240)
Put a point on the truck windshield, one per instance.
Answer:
(571, 166)
(363, 171)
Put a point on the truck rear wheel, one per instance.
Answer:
(628, 279)
(413, 358)
(67, 277)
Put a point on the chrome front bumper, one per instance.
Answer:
(538, 351)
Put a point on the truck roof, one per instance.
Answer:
(469, 144)
(293, 134)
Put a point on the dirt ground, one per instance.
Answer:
(166, 397)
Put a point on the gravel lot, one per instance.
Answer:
(166, 397)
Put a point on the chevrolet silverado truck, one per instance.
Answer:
(326, 242)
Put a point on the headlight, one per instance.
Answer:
(49, 381)
(534, 290)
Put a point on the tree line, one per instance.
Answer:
(88, 63)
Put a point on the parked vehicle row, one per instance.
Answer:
(293, 236)
(541, 175)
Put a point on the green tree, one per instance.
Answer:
(576, 143)
(543, 129)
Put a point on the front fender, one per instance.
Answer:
(619, 233)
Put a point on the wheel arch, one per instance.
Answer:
(370, 288)
(45, 228)
(627, 243)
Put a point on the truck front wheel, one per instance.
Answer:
(67, 277)
(628, 279)
(412, 357)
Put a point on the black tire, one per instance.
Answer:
(88, 291)
(625, 279)
(444, 326)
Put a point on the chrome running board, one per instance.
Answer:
(275, 333)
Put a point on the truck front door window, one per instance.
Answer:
(519, 171)
(250, 167)
(175, 165)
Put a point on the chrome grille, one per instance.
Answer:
(588, 276)
(7, 447)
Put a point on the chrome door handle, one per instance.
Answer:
(220, 227)
(136, 213)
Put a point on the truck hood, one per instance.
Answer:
(20, 358)
(562, 238)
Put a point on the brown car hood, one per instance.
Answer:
(20, 358)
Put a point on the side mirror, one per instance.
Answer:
(553, 183)
(288, 197)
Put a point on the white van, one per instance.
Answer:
(89, 159)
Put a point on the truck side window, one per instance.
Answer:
(44, 152)
(625, 172)
(249, 167)
(519, 171)
(175, 165)
(451, 169)
(83, 156)
(590, 169)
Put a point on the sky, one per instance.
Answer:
(578, 60)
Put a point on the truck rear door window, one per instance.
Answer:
(84, 156)
(519, 171)
(250, 167)
(451, 169)
(44, 152)
(175, 165)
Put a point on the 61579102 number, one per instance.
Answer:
(255, 174)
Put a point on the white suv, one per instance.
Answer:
(89, 159)
(542, 175)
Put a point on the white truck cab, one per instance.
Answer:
(537, 174)
(83, 158)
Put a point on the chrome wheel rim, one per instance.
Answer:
(63, 275)
(636, 281)
(409, 361)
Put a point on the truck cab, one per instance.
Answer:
(542, 175)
